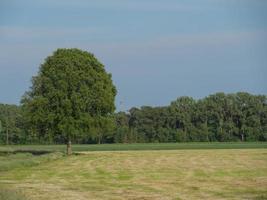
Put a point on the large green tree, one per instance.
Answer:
(72, 95)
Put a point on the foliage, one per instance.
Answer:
(218, 117)
(72, 97)
(11, 126)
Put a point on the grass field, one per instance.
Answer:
(152, 174)
(139, 146)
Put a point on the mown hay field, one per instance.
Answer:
(170, 174)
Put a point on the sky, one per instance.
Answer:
(156, 50)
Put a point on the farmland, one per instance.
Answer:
(225, 172)
(138, 146)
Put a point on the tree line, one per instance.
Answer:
(217, 117)
(72, 100)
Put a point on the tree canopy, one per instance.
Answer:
(71, 96)
(218, 117)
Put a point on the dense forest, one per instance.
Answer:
(218, 117)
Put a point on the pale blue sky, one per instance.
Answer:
(157, 50)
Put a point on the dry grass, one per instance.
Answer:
(177, 174)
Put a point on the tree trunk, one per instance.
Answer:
(99, 140)
(242, 137)
(125, 139)
(7, 137)
(69, 150)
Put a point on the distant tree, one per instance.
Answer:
(122, 132)
(72, 95)
(218, 117)
(216, 108)
(10, 117)
(249, 116)
(181, 112)
(1, 127)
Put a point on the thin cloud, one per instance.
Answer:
(163, 45)
(125, 5)
(223, 37)
(153, 46)
(15, 32)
